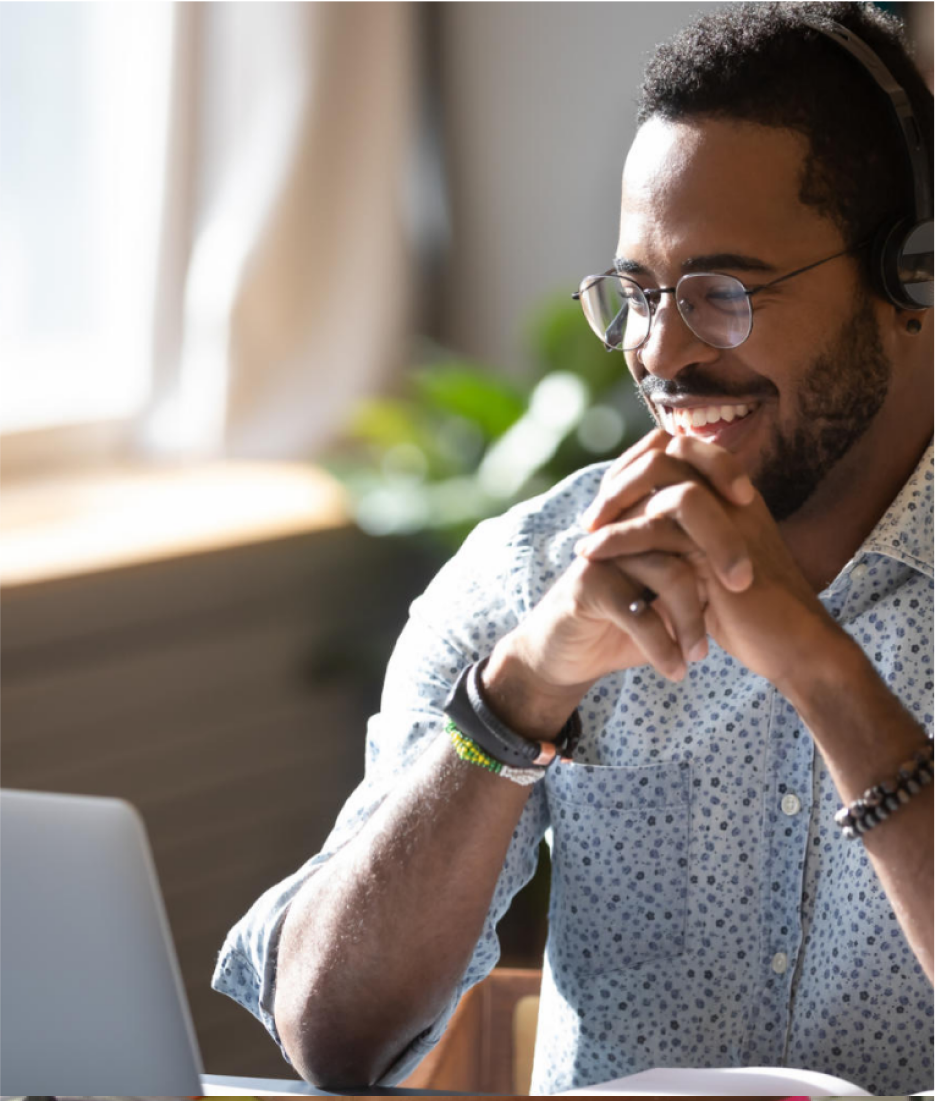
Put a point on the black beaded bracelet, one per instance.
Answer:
(878, 803)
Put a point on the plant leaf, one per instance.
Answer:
(475, 394)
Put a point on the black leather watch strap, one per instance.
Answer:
(468, 710)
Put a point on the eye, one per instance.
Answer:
(633, 298)
(728, 298)
(722, 295)
(707, 297)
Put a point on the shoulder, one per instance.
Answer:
(534, 540)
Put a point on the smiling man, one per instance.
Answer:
(704, 670)
(782, 403)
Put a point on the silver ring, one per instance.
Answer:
(642, 602)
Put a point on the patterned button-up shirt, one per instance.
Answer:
(705, 910)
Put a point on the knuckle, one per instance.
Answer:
(650, 562)
(588, 579)
(628, 456)
(580, 573)
(661, 527)
(680, 579)
(682, 572)
(662, 501)
(691, 495)
(670, 501)
(676, 447)
(655, 464)
(723, 461)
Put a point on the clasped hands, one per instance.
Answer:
(680, 517)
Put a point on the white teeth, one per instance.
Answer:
(687, 419)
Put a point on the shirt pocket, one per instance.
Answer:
(619, 864)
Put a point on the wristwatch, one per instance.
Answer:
(468, 710)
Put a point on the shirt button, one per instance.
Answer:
(790, 804)
(859, 572)
(780, 963)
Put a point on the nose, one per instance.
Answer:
(670, 346)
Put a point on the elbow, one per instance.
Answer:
(327, 1054)
(328, 1068)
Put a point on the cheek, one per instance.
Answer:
(636, 369)
(779, 361)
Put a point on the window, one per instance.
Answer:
(84, 92)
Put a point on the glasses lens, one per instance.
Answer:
(616, 309)
(715, 308)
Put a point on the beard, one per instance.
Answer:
(838, 399)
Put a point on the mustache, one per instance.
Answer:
(695, 384)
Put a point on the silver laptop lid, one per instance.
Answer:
(91, 999)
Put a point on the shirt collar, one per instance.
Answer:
(904, 532)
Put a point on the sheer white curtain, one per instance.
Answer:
(285, 271)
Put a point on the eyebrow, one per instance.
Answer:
(717, 261)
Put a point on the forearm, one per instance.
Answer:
(864, 735)
(374, 944)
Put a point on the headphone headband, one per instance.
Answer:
(899, 100)
(901, 263)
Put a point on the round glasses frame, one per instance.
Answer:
(651, 296)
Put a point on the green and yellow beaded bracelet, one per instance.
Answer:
(471, 752)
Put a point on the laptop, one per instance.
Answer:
(91, 997)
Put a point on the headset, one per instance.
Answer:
(901, 259)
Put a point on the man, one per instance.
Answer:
(738, 611)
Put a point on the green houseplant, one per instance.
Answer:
(465, 441)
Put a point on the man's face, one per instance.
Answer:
(807, 384)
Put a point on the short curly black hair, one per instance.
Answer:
(762, 63)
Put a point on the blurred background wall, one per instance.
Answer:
(537, 108)
(222, 227)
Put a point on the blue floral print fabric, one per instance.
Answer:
(705, 910)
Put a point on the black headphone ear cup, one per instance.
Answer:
(901, 264)
(914, 264)
(887, 248)
(882, 263)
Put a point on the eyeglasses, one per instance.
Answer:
(717, 308)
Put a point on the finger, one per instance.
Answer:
(638, 535)
(718, 467)
(678, 598)
(624, 486)
(619, 600)
(655, 440)
(703, 518)
(644, 473)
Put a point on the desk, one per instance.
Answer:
(220, 1085)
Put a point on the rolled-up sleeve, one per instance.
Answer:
(474, 600)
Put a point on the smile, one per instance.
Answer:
(701, 420)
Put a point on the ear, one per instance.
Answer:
(910, 348)
(903, 332)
